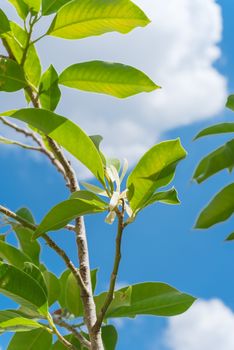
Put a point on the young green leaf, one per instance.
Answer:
(53, 286)
(13, 255)
(22, 288)
(109, 337)
(154, 170)
(12, 321)
(38, 339)
(4, 23)
(221, 128)
(81, 19)
(167, 197)
(11, 76)
(49, 91)
(52, 6)
(24, 235)
(114, 79)
(219, 209)
(17, 42)
(216, 161)
(66, 211)
(66, 133)
(90, 198)
(230, 102)
(152, 298)
(21, 8)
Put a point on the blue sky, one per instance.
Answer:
(161, 245)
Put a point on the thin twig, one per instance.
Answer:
(110, 294)
(50, 242)
(73, 330)
(62, 340)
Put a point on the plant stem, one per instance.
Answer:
(114, 274)
(62, 340)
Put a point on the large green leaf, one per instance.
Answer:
(221, 128)
(21, 8)
(53, 286)
(38, 339)
(51, 6)
(83, 18)
(230, 102)
(4, 23)
(152, 298)
(33, 5)
(89, 197)
(17, 42)
(216, 161)
(66, 133)
(34, 272)
(66, 211)
(12, 321)
(109, 337)
(22, 288)
(114, 79)
(29, 247)
(122, 298)
(11, 76)
(72, 339)
(219, 209)
(13, 255)
(154, 170)
(167, 197)
(49, 91)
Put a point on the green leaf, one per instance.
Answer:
(4, 23)
(66, 133)
(219, 209)
(221, 128)
(13, 255)
(73, 340)
(90, 198)
(49, 91)
(122, 298)
(21, 8)
(167, 197)
(81, 19)
(114, 79)
(22, 288)
(17, 42)
(11, 76)
(34, 272)
(216, 161)
(38, 339)
(66, 211)
(230, 237)
(63, 281)
(33, 5)
(52, 6)
(109, 337)
(24, 235)
(12, 321)
(152, 298)
(154, 170)
(53, 287)
(230, 102)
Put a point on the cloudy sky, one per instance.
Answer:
(188, 50)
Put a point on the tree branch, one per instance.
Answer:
(74, 331)
(114, 274)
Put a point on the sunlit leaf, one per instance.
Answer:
(219, 209)
(216, 161)
(66, 133)
(221, 128)
(38, 339)
(12, 321)
(33, 5)
(167, 197)
(53, 287)
(80, 19)
(34, 272)
(22, 288)
(51, 6)
(21, 8)
(114, 79)
(49, 91)
(13, 255)
(11, 76)
(154, 170)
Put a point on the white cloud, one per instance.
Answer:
(178, 50)
(207, 325)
